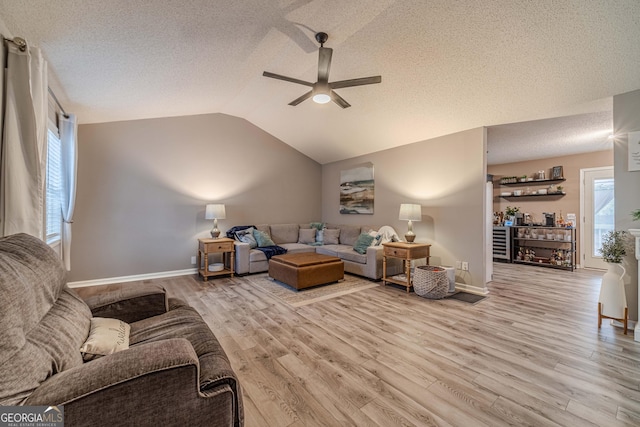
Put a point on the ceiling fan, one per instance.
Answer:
(322, 91)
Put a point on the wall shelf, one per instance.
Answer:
(535, 195)
(553, 253)
(533, 182)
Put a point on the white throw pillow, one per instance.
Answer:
(106, 336)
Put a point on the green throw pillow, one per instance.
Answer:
(363, 242)
(262, 239)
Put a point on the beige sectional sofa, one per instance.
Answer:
(369, 265)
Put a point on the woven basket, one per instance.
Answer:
(430, 282)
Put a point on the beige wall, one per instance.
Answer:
(626, 118)
(143, 186)
(4, 31)
(570, 203)
(446, 175)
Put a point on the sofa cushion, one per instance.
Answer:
(347, 253)
(256, 256)
(50, 347)
(182, 321)
(307, 235)
(328, 250)
(296, 248)
(31, 279)
(348, 234)
(44, 323)
(331, 236)
(284, 233)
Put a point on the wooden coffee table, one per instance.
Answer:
(304, 270)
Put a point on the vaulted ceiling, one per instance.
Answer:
(446, 65)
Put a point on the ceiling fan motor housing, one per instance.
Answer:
(322, 38)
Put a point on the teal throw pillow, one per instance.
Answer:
(262, 239)
(363, 242)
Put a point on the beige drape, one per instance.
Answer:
(23, 142)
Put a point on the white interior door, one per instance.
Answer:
(598, 214)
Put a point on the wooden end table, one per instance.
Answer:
(206, 247)
(406, 252)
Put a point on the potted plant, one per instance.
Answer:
(636, 215)
(559, 188)
(512, 211)
(612, 302)
(614, 246)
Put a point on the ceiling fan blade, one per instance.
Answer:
(286, 79)
(324, 64)
(300, 99)
(339, 100)
(355, 82)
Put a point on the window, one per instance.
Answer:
(54, 188)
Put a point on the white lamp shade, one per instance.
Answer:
(410, 212)
(215, 211)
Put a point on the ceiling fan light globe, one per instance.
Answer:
(321, 98)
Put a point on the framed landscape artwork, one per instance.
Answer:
(357, 190)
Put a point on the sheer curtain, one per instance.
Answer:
(23, 142)
(68, 140)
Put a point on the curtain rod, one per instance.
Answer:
(18, 41)
(21, 44)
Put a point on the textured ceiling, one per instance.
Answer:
(446, 66)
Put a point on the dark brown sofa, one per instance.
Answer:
(174, 373)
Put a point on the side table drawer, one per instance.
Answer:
(395, 252)
(212, 247)
(221, 247)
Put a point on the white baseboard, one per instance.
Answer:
(472, 289)
(123, 279)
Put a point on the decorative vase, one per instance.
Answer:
(613, 300)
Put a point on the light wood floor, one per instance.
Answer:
(528, 355)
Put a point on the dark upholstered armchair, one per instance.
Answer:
(174, 373)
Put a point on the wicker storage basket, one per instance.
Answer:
(430, 282)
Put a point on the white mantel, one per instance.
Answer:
(635, 232)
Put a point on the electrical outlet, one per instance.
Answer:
(465, 266)
(459, 265)
(193, 260)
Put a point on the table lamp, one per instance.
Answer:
(215, 212)
(410, 212)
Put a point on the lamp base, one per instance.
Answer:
(410, 237)
(215, 233)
